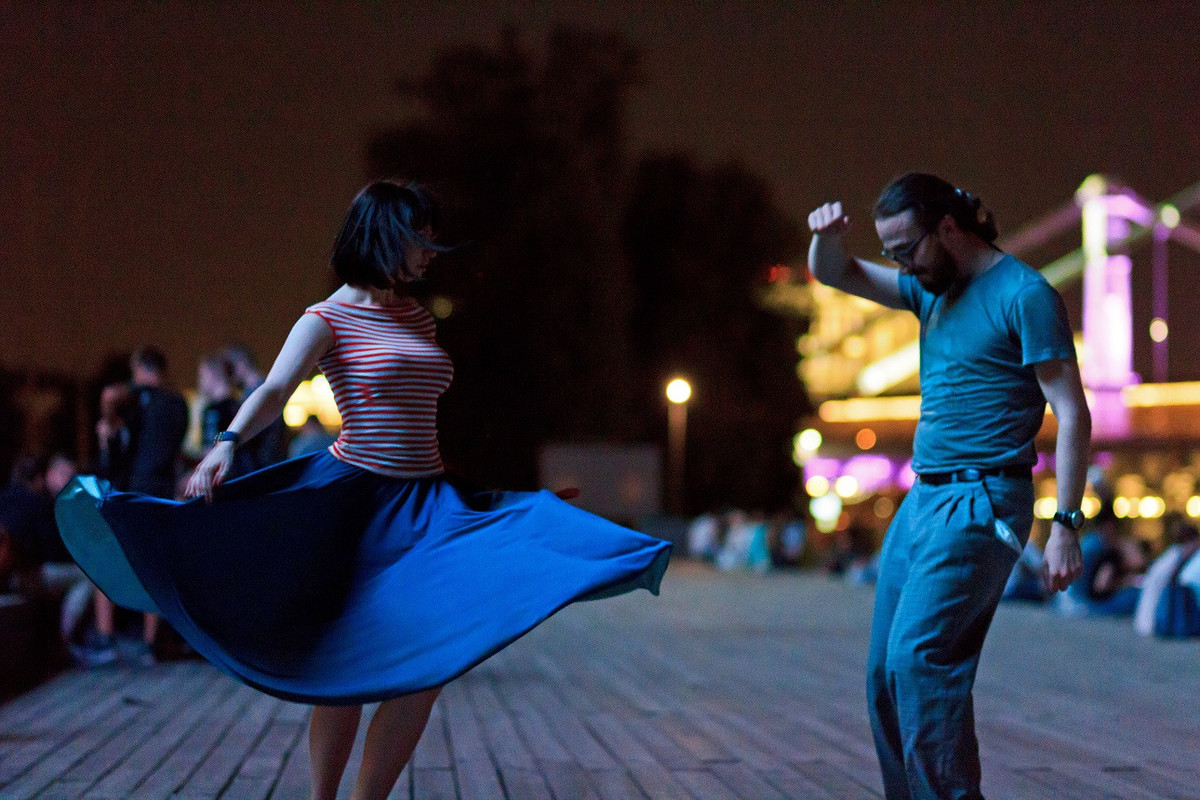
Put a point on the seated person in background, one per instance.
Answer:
(38, 565)
(786, 538)
(704, 537)
(1185, 544)
(1110, 582)
(745, 545)
(27, 514)
(1025, 581)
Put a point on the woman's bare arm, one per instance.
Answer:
(310, 339)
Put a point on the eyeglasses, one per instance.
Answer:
(905, 252)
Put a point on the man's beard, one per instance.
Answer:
(939, 277)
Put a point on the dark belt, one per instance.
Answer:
(961, 475)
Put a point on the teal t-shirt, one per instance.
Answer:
(981, 404)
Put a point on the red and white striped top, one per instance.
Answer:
(387, 372)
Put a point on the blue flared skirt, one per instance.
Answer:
(316, 581)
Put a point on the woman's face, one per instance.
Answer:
(417, 257)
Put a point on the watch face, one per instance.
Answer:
(1072, 519)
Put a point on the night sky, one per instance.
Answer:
(174, 173)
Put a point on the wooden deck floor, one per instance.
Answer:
(724, 687)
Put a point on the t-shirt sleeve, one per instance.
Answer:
(1040, 319)
(323, 314)
(911, 292)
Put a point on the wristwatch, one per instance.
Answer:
(1072, 519)
(228, 436)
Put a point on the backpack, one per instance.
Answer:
(1177, 614)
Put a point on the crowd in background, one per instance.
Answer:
(740, 540)
(1122, 576)
(142, 444)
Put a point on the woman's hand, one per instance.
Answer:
(210, 472)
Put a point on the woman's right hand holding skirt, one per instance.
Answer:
(210, 472)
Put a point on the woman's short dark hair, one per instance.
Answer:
(384, 217)
(931, 198)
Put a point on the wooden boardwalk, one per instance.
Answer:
(725, 687)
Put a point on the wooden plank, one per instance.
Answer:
(295, 782)
(42, 760)
(238, 741)
(745, 783)
(36, 735)
(208, 688)
(666, 750)
(615, 784)
(569, 729)
(702, 783)
(518, 771)
(794, 784)
(473, 767)
(651, 776)
(259, 771)
(433, 750)
(63, 758)
(1150, 782)
(833, 779)
(166, 691)
(201, 738)
(433, 784)
(565, 777)
(1054, 783)
(17, 713)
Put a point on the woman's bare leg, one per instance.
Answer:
(331, 734)
(104, 614)
(149, 628)
(391, 738)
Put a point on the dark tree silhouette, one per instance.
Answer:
(700, 242)
(528, 148)
(574, 292)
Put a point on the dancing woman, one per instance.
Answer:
(360, 574)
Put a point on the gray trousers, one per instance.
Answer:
(944, 564)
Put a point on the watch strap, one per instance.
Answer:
(228, 436)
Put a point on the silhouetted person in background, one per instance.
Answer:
(217, 393)
(141, 430)
(271, 445)
(27, 513)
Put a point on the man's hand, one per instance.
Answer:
(1063, 560)
(829, 219)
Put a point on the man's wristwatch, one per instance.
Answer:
(228, 436)
(1072, 519)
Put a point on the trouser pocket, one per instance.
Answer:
(1012, 509)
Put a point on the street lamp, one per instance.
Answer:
(679, 391)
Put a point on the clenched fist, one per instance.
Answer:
(829, 219)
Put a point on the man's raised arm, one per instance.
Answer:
(830, 264)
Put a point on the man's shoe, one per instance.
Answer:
(139, 654)
(96, 650)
